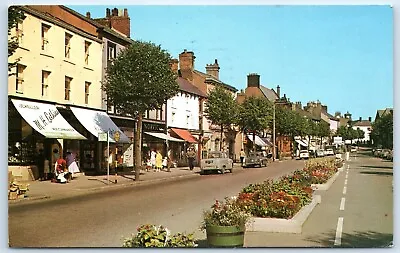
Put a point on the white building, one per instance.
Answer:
(364, 125)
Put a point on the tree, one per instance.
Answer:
(255, 114)
(382, 131)
(343, 132)
(15, 15)
(323, 130)
(221, 108)
(360, 134)
(140, 79)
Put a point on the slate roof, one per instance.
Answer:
(330, 116)
(362, 123)
(213, 79)
(185, 85)
(269, 93)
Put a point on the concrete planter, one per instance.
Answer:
(327, 185)
(276, 225)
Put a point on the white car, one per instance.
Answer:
(329, 151)
(353, 149)
(304, 154)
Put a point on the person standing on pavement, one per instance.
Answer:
(40, 164)
(242, 156)
(159, 161)
(71, 164)
(191, 155)
(153, 159)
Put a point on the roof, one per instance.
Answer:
(213, 79)
(330, 116)
(365, 123)
(269, 93)
(185, 85)
(307, 114)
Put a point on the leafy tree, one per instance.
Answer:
(382, 131)
(221, 108)
(140, 79)
(323, 130)
(343, 132)
(15, 15)
(360, 134)
(255, 115)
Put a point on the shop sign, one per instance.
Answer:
(128, 156)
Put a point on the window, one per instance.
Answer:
(87, 86)
(87, 45)
(111, 51)
(45, 38)
(68, 38)
(45, 82)
(173, 117)
(20, 32)
(20, 78)
(68, 81)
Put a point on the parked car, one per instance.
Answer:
(216, 160)
(304, 154)
(255, 159)
(329, 151)
(320, 153)
(353, 149)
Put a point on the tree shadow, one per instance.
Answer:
(379, 173)
(369, 239)
(377, 167)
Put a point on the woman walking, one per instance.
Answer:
(159, 161)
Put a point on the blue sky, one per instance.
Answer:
(340, 55)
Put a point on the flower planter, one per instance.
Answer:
(327, 185)
(278, 225)
(225, 236)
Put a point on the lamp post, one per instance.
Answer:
(273, 134)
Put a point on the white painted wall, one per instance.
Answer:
(333, 125)
(183, 111)
(366, 131)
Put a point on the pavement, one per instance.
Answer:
(46, 190)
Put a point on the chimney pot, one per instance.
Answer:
(88, 14)
(253, 80)
(125, 12)
(369, 119)
(108, 12)
(360, 118)
(278, 91)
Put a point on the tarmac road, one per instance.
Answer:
(103, 219)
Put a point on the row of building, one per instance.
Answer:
(55, 98)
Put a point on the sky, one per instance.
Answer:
(339, 55)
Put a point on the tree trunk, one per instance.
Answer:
(138, 147)
(220, 143)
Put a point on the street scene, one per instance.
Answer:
(121, 134)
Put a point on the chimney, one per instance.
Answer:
(213, 69)
(88, 14)
(174, 65)
(325, 108)
(278, 91)
(369, 119)
(118, 20)
(360, 118)
(186, 64)
(253, 80)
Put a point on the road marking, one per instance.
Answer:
(348, 166)
(345, 181)
(342, 204)
(347, 175)
(339, 228)
(344, 190)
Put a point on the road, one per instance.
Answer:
(104, 219)
(357, 210)
(359, 203)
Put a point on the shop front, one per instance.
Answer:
(180, 149)
(95, 154)
(36, 129)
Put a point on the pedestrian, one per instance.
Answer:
(71, 164)
(61, 171)
(242, 156)
(46, 168)
(153, 159)
(169, 160)
(40, 164)
(191, 155)
(159, 161)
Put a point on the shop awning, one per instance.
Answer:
(164, 136)
(184, 134)
(301, 143)
(258, 140)
(267, 141)
(46, 119)
(99, 122)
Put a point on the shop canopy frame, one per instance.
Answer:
(164, 136)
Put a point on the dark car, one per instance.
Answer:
(255, 159)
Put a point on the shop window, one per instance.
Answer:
(45, 83)
(68, 38)
(45, 36)
(87, 86)
(68, 81)
(87, 45)
(19, 84)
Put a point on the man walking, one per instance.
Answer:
(191, 155)
(242, 155)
